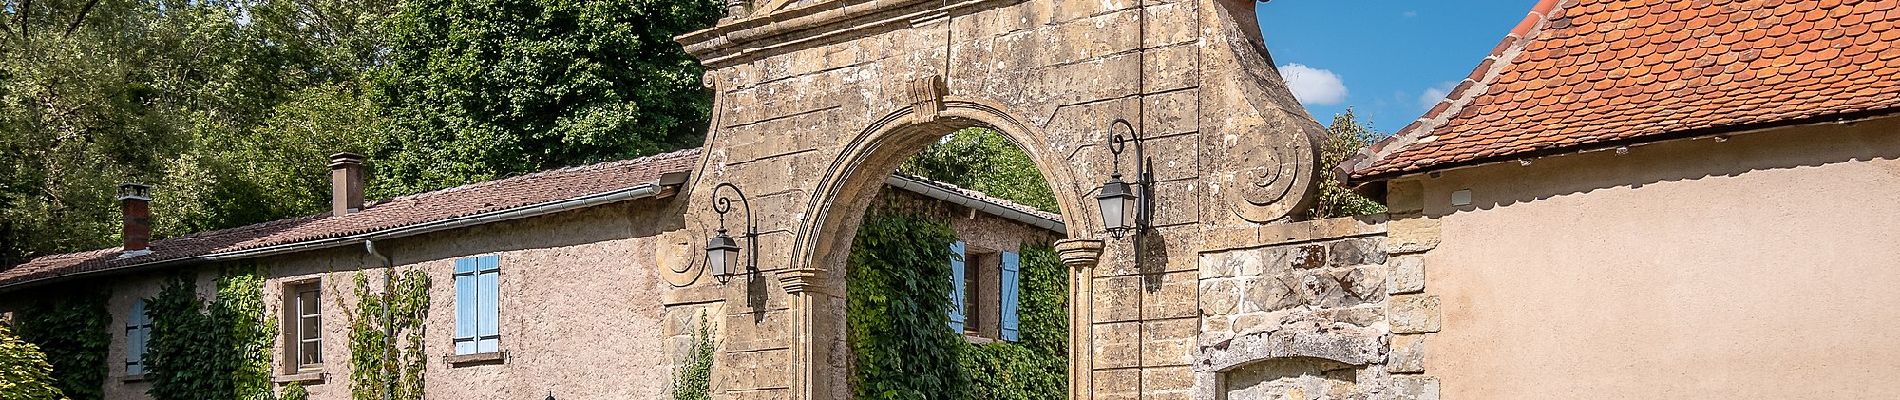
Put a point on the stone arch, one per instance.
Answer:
(815, 100)
(859, 170)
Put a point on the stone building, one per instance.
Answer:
(559, 274)
(1648, 199)
(1626, 199)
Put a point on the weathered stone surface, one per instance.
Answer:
(1408, 354)
(1346, 346)
(1309, 256)
(1357, 251)
(1271, 294)
(1414, 387)
(1407, 275)
(1221, 297)
(1415, 313)
(1411, 235)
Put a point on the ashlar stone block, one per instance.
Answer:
(1414, 313)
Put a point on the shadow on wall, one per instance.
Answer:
(1806, 146)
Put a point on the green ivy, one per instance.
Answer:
(386, 340)
(24, 372)
(71, 330)
(693, 381)
(220, 346)
(899, 280)
(294, 391)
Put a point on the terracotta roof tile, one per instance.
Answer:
(502, 194)
(1593, 72)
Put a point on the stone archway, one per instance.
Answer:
(816, 100)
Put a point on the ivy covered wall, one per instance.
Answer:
(898, 282)
(70, 328)
(201, 349)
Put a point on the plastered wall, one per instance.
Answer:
(1759, 266)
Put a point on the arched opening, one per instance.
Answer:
(949, 280)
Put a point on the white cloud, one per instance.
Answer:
(1434, 94)
(1313, 85)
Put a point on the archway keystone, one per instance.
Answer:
(816, 101)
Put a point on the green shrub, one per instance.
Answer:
(24, 372)
(693, 381)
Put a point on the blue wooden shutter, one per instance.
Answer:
(136, 330)
(1012, 267)
(465, 300)
(490, 328)
(956, 279)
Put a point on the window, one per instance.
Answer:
(477, 329)
(138, 329)
(984, 297)
(303, 316)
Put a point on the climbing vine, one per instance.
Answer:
(386, 340)
(898, 278)
(221, 346)
(693, 380)
(71, 330)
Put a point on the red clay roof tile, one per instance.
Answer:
(1591, 72)
(502, 194)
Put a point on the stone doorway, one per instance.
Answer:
(817, 101)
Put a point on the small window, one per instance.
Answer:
(303, 316)
(984, 301)
(138, 329)
(477, 305)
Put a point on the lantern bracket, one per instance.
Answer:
(723, 205)
(1144, 176)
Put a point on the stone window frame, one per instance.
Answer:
(292, 318)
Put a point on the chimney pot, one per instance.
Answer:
(346, 183)
(135, 208)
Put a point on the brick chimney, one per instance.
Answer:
(346, 183)
(135, 205)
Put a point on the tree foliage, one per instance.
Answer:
(230, 108)
(984, 160)
(24, 372)
(1344, 138)
(478, 89)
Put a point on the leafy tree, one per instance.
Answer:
(1345, 137)
(24, 372)
(982, 159)
(478, 89)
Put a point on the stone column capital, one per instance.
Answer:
(1078, 253)
(799, 280)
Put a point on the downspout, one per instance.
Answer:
(389, 326)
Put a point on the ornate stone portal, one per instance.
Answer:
(817, 101)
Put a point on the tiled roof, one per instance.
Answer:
(478, 198)
(1594, 73)
(973, 195)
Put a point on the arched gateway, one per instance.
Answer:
(817, 101)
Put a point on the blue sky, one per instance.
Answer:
(1387, 59)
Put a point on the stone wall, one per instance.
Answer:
(817, 101)
(1326, 310)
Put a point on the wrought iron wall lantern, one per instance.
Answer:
(722, 252)
(1124, 204)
